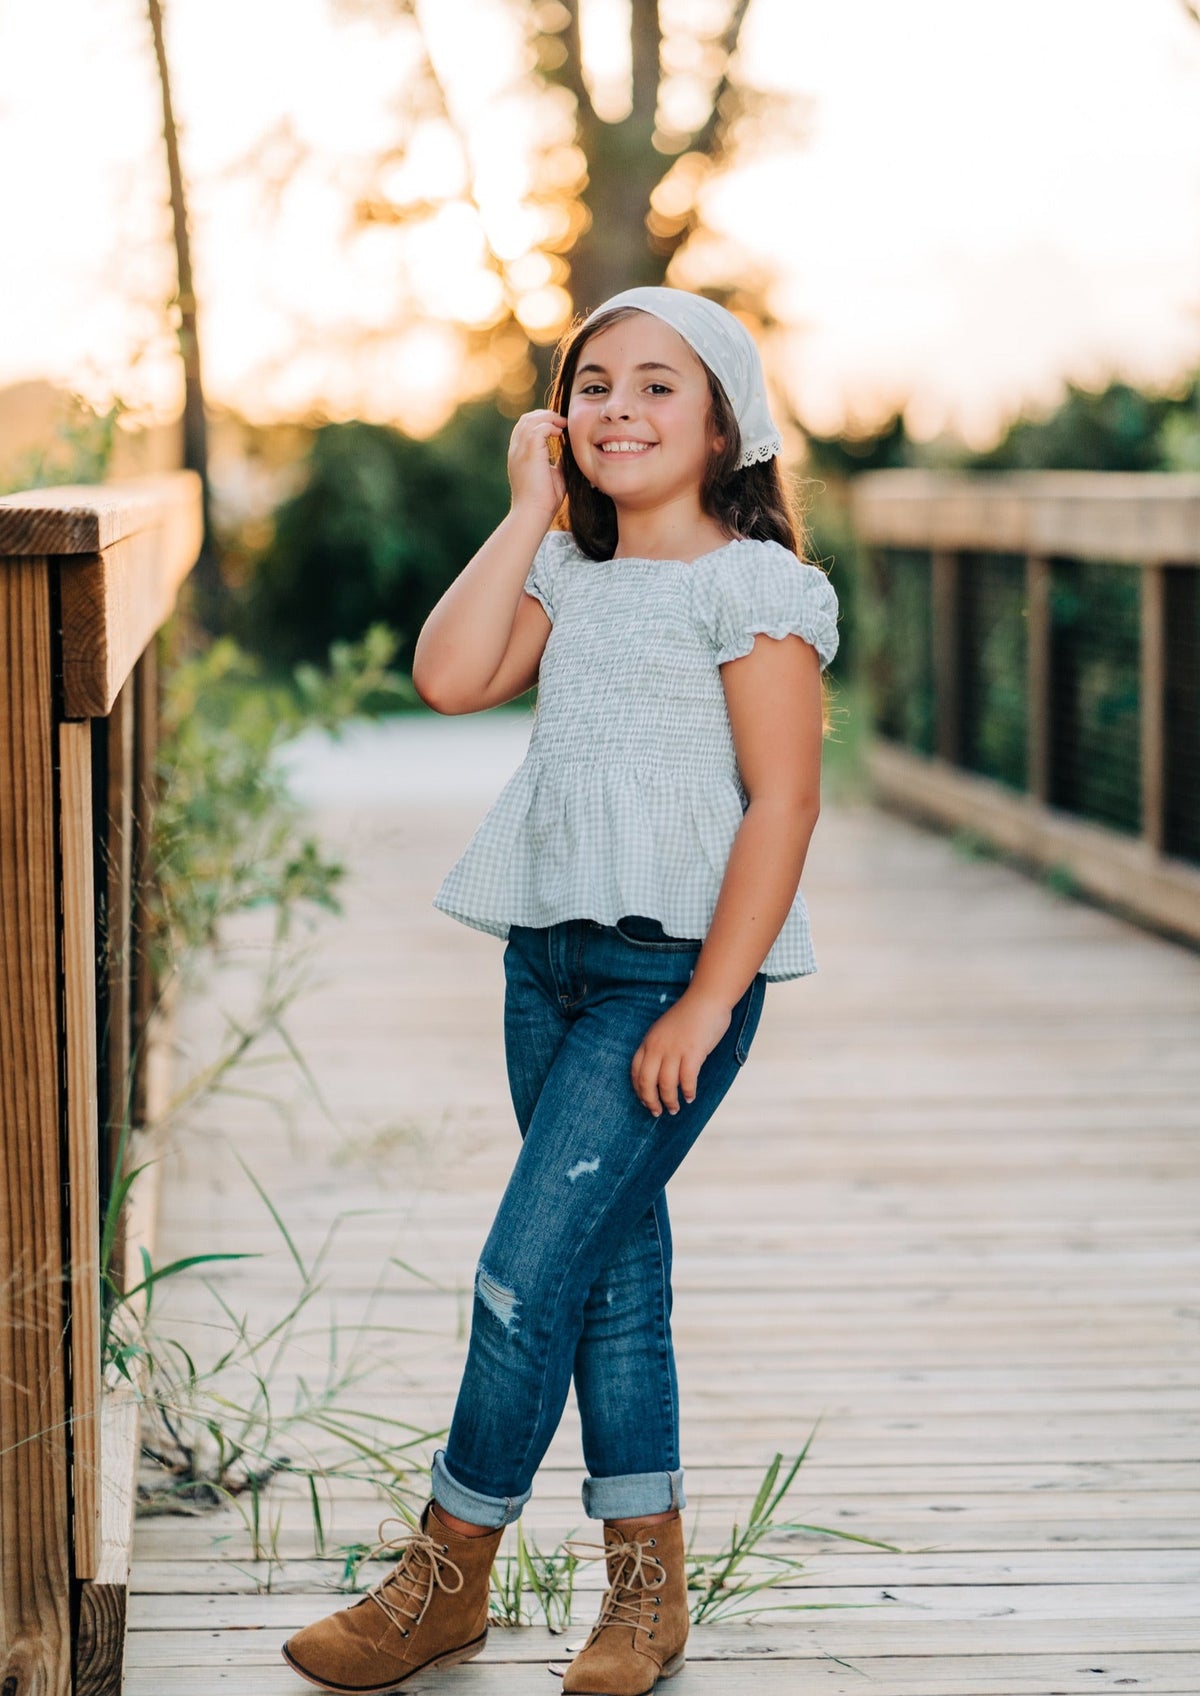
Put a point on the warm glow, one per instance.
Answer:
(988, 197)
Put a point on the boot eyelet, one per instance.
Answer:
(650, 1634)
(654, 1542)
(654, 1617)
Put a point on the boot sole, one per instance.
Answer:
(670, 1668)
(451, 1658)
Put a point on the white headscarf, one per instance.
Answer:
(726, 347)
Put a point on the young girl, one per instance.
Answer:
(643, 864)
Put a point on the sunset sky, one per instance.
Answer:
(983, 199)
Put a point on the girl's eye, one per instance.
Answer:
(663, 386)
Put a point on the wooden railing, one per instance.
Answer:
(1032, 650)
(87, 577)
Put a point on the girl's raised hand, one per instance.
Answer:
(534, 480)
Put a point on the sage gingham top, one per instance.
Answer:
(629, 796)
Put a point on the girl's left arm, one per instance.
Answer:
(773, 695)
(774, 699)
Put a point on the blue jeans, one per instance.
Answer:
(575, 1276)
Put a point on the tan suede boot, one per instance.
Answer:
(643, 1624)
(429, 1611)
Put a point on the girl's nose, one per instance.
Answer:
(616, 406)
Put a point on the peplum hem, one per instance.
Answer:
(565, 843)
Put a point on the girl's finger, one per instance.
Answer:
(668, 1086)
(643, 1086)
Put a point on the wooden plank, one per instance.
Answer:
(151, 1012)
(860, 1634)
(112, 604)
(1152, 702)
(289, 1611)
(158, 1584)
(1126, 874)
(100, 1638)
(709, 1672)
(118, 949)
(950, 1208)
(85, 518)
(1083, 515)
(35, 1657)
(83, 1140)
(145, 793)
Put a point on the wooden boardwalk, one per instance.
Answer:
(950, 1209)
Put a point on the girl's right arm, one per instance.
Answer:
(482, 643)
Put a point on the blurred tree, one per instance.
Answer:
(381, 525)
(843, 456)
(645, 167)
(1118, 429)
(616, 192)
(205, 581)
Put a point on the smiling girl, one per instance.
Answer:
(643, 865)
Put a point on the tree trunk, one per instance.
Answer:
(206, 583)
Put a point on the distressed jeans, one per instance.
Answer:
(575, 1275)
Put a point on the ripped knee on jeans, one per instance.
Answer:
(501, 1302)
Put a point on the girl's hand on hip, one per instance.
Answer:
(667, 1064)
(535, 481)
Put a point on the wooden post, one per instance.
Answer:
(1037, 673)
(1152, 703)
(947, 657)
(118, 944)
(35, 1564)
(145, 756)
(87, 576)
(79, 991)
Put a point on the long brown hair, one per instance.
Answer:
(753, 501)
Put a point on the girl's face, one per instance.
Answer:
(638, 414)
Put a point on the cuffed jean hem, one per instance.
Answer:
(633, 1494)
(476, 1509)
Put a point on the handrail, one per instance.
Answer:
(122, 554)
(1133, 516)
(1037, 543)
(87, 577)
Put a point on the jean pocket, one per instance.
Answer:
(642, 932)
(754, 999)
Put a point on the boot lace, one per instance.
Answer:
(630, 1582)
(423, 1567)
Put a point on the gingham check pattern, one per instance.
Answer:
(629, 797)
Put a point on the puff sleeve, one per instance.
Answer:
(762, 588)
(545, 574)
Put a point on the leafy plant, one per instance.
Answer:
(229, 838)
(742, 1570)
(79, 449)
(722, 1583)
(219, 1433)
(548, 1578)
(228, 835)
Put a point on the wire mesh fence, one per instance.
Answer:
(1093, 726)
(1181, 730)
(994, 705)
(898, 643)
